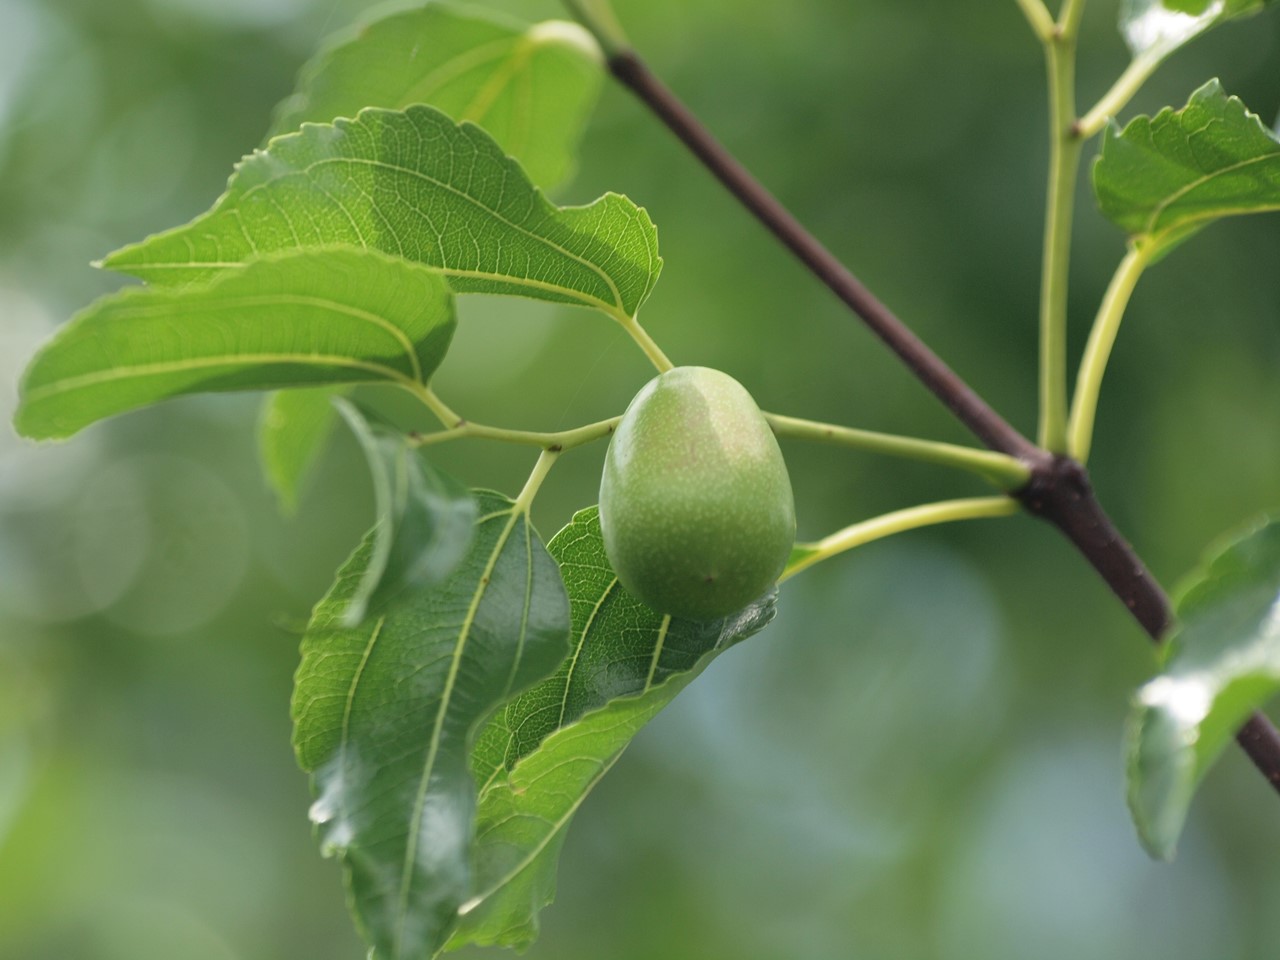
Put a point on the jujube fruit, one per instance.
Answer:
(696, 506)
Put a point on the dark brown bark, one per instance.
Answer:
(959, 397)
(1059, 491)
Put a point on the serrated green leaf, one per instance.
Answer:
(1223, 662)
(415, 185)
(539, 758)
(1153, 29)
(385, 713)
(425, 518)
(323, 317)
(293, 428)
(531, 87)
(1162, 179)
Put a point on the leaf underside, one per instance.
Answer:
(1164, 178)
(293, 430)
(1223, 662)
(318, 318)
(425, 518)
(385, 714)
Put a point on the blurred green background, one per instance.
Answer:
(920, 758)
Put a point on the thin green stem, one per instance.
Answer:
(1114, 100)
(930, 514)
(600, 20)
(1064, 167)
(1004, 471)
(438, 407)
(546, 460)
(1039, 17)
(554, 442)
(1097, 352)
(646, 343)
(1069, 19)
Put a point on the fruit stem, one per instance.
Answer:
(551, 442)
(808, 554)
(1097, 352)
(1005, 472)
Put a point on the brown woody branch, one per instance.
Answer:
(1059, 490)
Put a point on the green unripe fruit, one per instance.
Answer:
(695, 501)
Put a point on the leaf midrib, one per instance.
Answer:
(98, 378)
(455, 67)
(1201, 181)
(306, 172)
(577, 650)
(217, 302)
(577, 296)
(406, 874)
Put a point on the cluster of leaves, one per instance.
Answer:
(464, 686)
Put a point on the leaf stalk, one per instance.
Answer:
(546, 460)
(1114, 100)
(646, 343)
(1102, 338)
(558, 442)
(438, 407)
(1005, 472)
(900, 521)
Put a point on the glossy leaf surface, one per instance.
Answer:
(414, 185)
(539, 758)
(1163, 178)
(324, 317)
(1153, 29)
(532, 88)
(385, 714)
(425, 518)
(1223, 662)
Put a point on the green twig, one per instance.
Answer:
(1004, 471)
(1069, 19)
(806, 555)
(1097, 352)
(1039, 17)
(553, 442)
(1064, 166)
(1114, 100)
